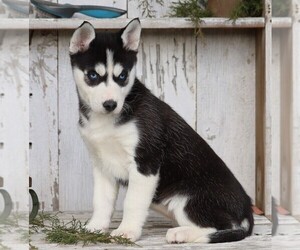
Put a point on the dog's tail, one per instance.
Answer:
(238, 233)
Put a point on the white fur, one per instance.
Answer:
(100, 69)
(189, 234)
(82, 38)
(187, 230)
(105, 193)
(245, 224)
(112, 149)
(95, 96)
(111, 146)
(117, 69)
(140, 193)
(131, 35)
(110, 62)
(176, 205)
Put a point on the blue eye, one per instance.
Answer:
(92, 75)
(123, 75)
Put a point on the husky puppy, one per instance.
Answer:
(137, 140)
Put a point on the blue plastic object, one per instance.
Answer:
(68, 10)
(100, 13)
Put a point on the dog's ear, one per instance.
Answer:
(131, 34)
(82, 38)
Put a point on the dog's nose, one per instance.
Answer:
(109, 105)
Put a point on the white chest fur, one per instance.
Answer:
(111, 146)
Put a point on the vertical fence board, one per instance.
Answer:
(260, 102)
(286, 121)
(167, 66)
(276, 82)
(44, 118)
(270, 137)
(14, 109)
(226, 99)
(75, 171)
(296, 111)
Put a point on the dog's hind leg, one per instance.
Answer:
(190, 215)
(187, 230)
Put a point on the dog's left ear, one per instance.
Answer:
(131, 34)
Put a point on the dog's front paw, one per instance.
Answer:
(132, 234)
(95, 225)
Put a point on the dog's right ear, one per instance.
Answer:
(82, 38)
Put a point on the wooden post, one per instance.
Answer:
(285, 117)
(263, 112)
(295, 133)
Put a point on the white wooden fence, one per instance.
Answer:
(231, 85)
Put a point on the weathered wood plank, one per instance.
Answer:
(154, 232)
(157, 23)
(276, 80)
(167, 66)
(270, 138)
(286, 71)
(226, 99)
(296, 112)
(44, 118)
(75, 171)
(281, 22)
(264, 127)
(260, 100)
(14, 108)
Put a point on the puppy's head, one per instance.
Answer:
(104, 65)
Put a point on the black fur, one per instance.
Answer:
(97, 52)
(186, 163)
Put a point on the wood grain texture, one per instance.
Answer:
(265, 137)
(226, 100)
(269, 126)
(44, 118)
(75, 171)
(281, 22)
(296, 111)
(260, 103)
(286, 72)
(276, 80)
(14, 129)
(147, 23)
(167, 66)
(154, 236)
